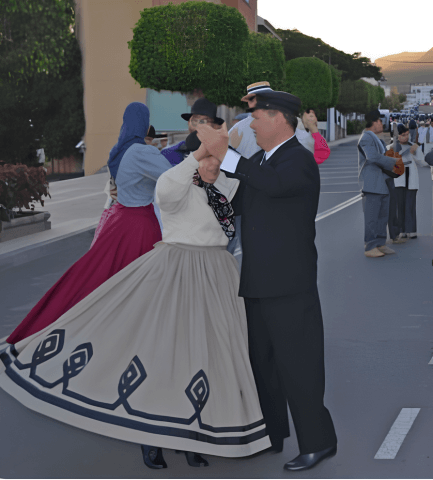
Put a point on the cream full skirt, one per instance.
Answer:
(156, 355)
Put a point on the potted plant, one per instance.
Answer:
(20, 187)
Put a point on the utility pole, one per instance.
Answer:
(328, 111)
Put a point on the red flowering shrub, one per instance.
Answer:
(21, 186)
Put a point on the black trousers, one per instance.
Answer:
(393, 227)
(406, 203)
(287, 357)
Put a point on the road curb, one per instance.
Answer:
(348, 139)
(41, 249)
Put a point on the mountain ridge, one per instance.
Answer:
(398, 73)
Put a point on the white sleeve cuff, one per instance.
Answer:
(230, 161)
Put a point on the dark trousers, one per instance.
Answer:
(287, 357)
(406, 203)
(393, 227)
(376, 213)
(412, 133)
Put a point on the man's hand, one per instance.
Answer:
(215, 141)
(414, 148)
(113, 194)
(235, 138)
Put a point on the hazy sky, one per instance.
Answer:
(344, 24)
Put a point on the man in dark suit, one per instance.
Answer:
(278, 199)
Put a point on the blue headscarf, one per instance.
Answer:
(134, 129)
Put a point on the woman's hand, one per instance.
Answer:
(310, 121)
(113, 194)
(209, 169)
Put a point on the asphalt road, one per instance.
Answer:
(378, 320)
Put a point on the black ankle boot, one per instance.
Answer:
(152, 457)
(194, 459)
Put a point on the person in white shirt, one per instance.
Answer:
(407, 185)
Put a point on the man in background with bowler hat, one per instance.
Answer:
(278, 199)
(202, 112)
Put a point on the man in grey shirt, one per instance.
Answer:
(371, 165)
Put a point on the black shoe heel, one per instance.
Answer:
(196, 460)
(152, 457)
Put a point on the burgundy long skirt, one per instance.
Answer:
(128, 233)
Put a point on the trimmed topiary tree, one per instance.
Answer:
(264, 61)
(194, 45)
(358, 97)
(336, 83)
(310, 79)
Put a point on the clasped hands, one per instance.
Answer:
(213, 148)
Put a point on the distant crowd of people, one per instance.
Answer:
(420, 131)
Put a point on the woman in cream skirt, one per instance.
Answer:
(158, 354)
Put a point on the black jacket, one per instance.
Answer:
(278, 202)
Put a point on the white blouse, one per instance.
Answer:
(186, 216)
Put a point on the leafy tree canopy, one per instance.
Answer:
(394, 101)
(33, 37)
(41, 101)
(352, 66)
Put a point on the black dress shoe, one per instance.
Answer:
(309, 460)
(152, 457)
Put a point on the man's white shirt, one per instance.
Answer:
(232, 158)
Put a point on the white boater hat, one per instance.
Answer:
(255, 89)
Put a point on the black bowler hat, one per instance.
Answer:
(151, 132)
(281, 101)
(203, 107)
(161, 135)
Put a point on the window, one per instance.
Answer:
(165, 109)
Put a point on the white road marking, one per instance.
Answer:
(3, 340)
(415, 315)
(341, 183)
(349, 191)
(431, 361)
(393, 441)
(339, 207)
(338, 178)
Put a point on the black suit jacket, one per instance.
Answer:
(278, 202)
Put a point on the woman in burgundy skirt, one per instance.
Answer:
(130, 230)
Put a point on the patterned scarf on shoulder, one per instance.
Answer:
(221, 207)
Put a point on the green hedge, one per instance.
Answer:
(310, 79)
(355, 126)
(194, 45)
(336, 85)
(359, 96)
(264, 61)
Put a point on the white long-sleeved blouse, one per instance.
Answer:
(186, 216)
